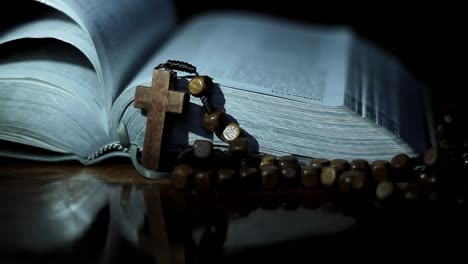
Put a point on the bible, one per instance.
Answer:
(69, 70)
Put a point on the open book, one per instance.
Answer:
(68, 74)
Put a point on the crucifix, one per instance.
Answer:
(157, 100)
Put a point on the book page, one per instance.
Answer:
(55, 25)
(48, 97)
(259, 54)
(123, 32)
(278, 124)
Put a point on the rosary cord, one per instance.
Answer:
(178, 66)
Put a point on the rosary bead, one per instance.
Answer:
(400, 165)
(410, 190)
(431, 157)
(182, 176)
(360, 165)
(226, 179)
(319, 162)
(268, 160)
(290, 176)
(249, 178)
(240, 145)
(384, 190)
(231, 132)
(204, 180)
(287, 161)
(200, 86)
(202, 148)
(270, 176)
(329, 176)
(380, 170)
(351, 180)
(340, 164)
(310, 176)
(215, 121)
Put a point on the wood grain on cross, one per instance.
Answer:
(157, 100)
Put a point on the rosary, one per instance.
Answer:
(438, 175)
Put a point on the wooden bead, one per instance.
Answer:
(216, 121)
(270, 176)
(226, 179)
(202, 148)
(384, 190)
(340, 164)
(240, 145)
(380, 170)
(269, 201)
(352, 180)
(431, 157)
(232, 131)
(200, 85)
(360, 165)
(204, 180)
(400, 165)
(290, 176)
(182, 176)
(345, 182)
(249, 178)
(410, 190)
(329, 176)
(287, 161)
(319, 162)
(268, 160)
(310, 176)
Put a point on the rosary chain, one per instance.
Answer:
(109, 148)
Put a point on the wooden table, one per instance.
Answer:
(61, 212)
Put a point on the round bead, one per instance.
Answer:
(249, 178)
(310, 176)
(328, 176)
(400, 161)
(202, 148)
(400, 165)
(226, 179)
(352, 180)
(239, 145)
(290, 176)
(270, 176)
(287, 161)
(340, 164)
(231, 131)
(268, 160)
(360, 165)
(431, 156)
(319, 162)
(200, 85)
(345, 182)
(204, 180)
(384, 190)
(215, 121)
(182, 176)
(380, 170)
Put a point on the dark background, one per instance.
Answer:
(429, 38)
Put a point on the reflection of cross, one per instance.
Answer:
(157, 100)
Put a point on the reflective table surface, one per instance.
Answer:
(108, 213)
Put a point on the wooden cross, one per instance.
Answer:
(157, 100)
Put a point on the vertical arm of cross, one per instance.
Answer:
(157, 100)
